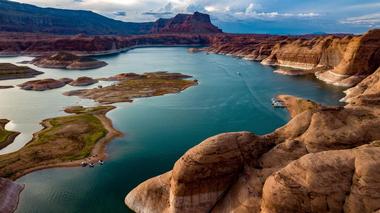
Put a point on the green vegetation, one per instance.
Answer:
(6, 137)
(64, 139)
(137, 86)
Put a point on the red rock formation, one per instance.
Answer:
(34, 44)
(185, 23)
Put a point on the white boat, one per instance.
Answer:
(277, 103)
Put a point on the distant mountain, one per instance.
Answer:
(18, 17)
(185, 23)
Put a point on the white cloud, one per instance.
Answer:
(371, 19)
(250, 9)
(148, 10)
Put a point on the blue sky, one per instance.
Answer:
(243, 16)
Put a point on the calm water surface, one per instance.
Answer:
(158, 130)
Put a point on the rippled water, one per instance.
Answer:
(158, 130)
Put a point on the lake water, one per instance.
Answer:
(158, 130)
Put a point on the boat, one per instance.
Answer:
(91, 165)
(277, 103)
(101, 162)
(83, 164)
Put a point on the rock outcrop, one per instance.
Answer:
(366, 92)
(10, 192)
(11, 71)
(83, 81)
(361, 58)
(44, 84)
(198, 23)
(66, 60)
(324, 160)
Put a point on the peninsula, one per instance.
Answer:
(6, 137)
(64, 141)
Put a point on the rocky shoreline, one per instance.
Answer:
(338, 60)
(324, 159)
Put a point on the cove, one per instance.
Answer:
(159, 130)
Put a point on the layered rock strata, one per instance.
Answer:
(336, 59)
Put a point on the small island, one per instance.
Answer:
(11, 71)
(6, 137)
(44, 84)
(83, 81)
(130, 86)
(66, 60)
(64, 141)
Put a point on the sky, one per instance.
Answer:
(243, 16)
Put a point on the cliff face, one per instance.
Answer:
(185, 23)
(339, 60)
(324, 160)
(34, 44)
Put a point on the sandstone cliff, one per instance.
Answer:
(324, 160)
(185, 23)
(336, 59)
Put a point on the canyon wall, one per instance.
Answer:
(342, 60)
(40, 44)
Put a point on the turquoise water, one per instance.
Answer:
(159, 130)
